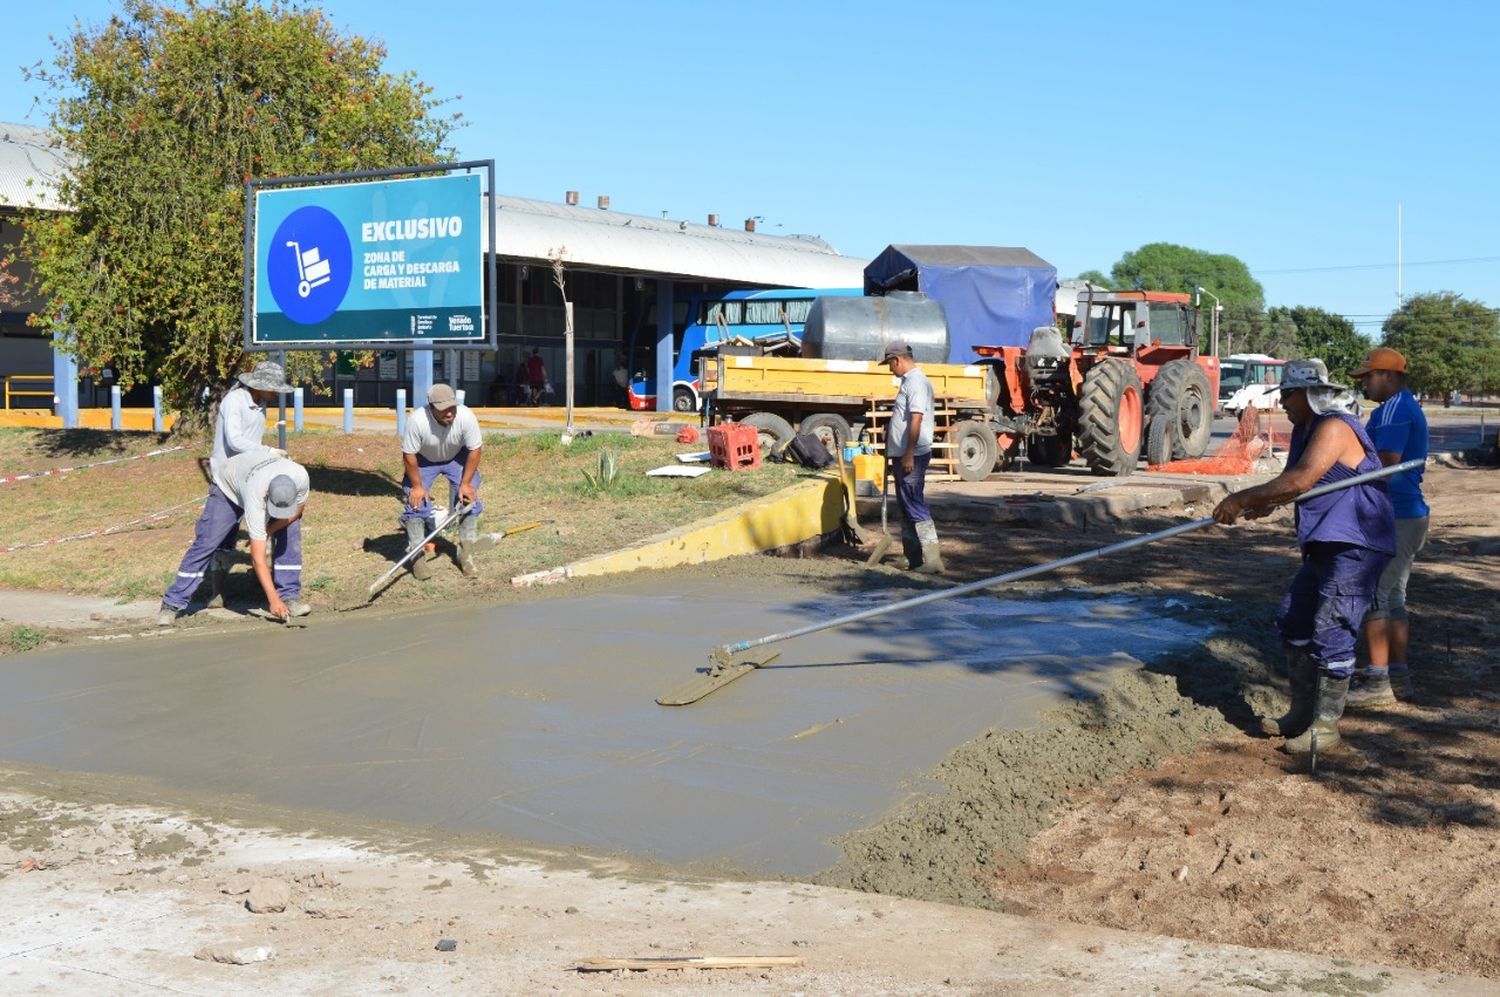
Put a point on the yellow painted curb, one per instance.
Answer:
(89, 418)
(801, 512)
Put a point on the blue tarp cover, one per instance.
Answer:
(994, 296)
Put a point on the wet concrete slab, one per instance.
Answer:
(537, 721)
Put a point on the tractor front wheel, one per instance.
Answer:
(1110, 418)
(1179, 412)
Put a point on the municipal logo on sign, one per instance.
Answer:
(309, 264)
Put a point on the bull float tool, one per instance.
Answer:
(727, 662)
(448, 520)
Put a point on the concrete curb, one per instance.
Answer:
(793, 516)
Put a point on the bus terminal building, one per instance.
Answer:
(618, 268)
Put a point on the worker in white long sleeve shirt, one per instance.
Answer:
(241, 426)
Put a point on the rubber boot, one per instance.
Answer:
(1371, 690)
(468, 543)
(1302, 674)
(416, 532)
(911, 546)
(932, 553)
(218, 579)
(1332, 694)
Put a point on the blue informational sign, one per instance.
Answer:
(388, 261)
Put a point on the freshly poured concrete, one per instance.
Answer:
(537, 721)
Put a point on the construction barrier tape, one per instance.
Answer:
(80, 467)
(105, 530)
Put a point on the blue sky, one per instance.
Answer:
(1283, 133)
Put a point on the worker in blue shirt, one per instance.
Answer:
(1399, 431)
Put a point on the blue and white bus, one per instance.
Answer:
(706, 319)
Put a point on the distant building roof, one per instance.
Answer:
(612, 240)
(31, 160)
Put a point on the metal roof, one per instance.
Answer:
(30, 162)
(527, 230)
(612, 240)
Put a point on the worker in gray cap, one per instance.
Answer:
(908, 445)
(270, 492)
(241, 426)
(442, 440)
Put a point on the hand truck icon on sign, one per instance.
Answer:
(312, 269)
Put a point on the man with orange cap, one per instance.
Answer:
(1399, 431)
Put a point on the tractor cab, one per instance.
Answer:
(1132, 323)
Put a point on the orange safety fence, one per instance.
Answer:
(1252, 439)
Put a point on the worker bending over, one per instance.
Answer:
(442, 439)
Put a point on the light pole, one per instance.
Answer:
(1213, 320)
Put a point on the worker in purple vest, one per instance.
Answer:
(1346, 538)
(270, 492)
(442, 440)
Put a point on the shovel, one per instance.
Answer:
(727, 664)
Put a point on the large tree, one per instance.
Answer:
(1449, 341)
(1096, 278)
(166, 110)
(1163, 266)
(1328, 336)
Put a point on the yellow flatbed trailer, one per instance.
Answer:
(841, 401)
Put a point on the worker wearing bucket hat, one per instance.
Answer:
(270, 492)
(240, 426)
(1399, 431)
(1346, 538)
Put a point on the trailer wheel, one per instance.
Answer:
(829, 427)
(975, 449)
(773, 431)
(1110, 418)
(1179, 400)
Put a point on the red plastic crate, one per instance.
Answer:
(734, 446)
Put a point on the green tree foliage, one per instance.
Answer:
(166, 110)
(1162, 266)
(1096, 278)
(1327, 336)
(1244, 328)
(1449, 342)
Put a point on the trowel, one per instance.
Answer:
(731, 661)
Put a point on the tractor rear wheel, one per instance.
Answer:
(1179, 413)
(1110, 418)
(975, 449)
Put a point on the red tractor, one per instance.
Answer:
(1131, 377)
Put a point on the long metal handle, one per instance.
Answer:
(453, 514)
(1015, 576)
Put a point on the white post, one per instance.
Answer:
(297, 409)
(460, 394)
(114, 406)
(156, 417)
(400, 413)
(348, 410)
(568, 350)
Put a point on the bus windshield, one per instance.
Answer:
(704, 321)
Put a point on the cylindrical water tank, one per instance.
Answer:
(859, 328)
